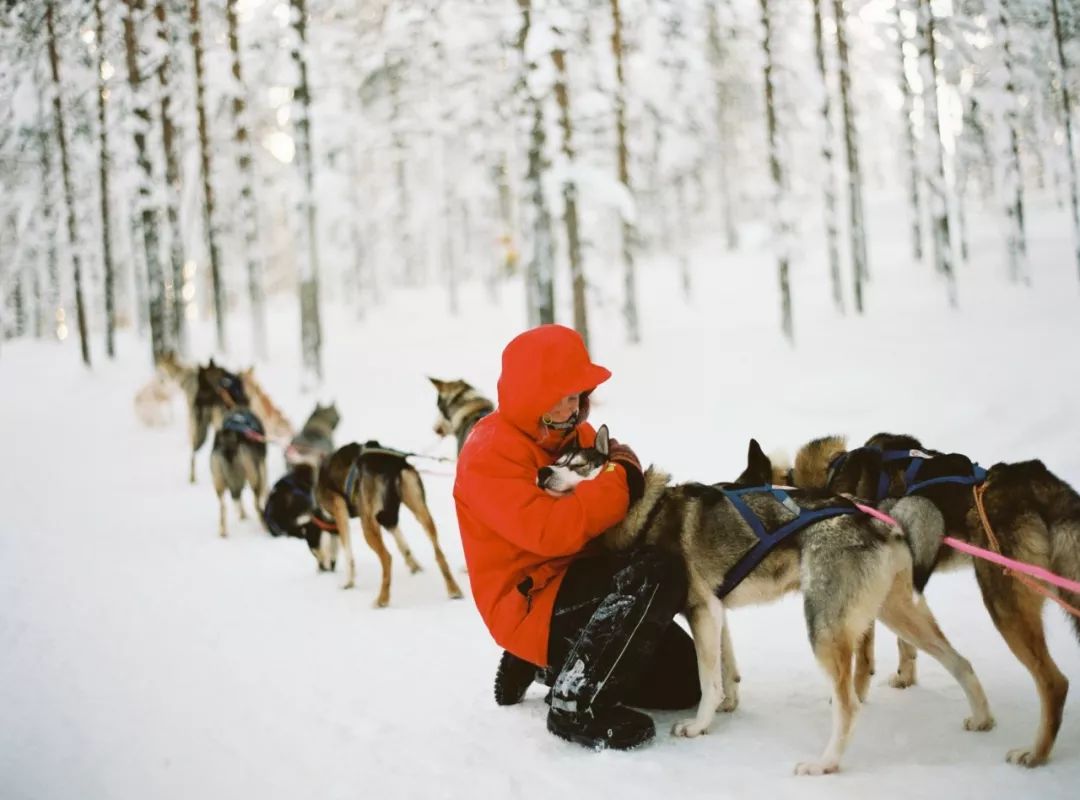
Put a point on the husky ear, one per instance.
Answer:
(211, 364)
(757, 463)
(602, 444)
(437, 383)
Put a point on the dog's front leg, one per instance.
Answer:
(222, 529)
(704, 628)
(729, 671)
(340, 512)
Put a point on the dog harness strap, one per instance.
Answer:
(834, 466)
(785, 500)
(767, 542)
(245, 423)
(323, 524)
(744, 510)
(350, 480)
(977, 476)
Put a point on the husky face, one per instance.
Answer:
(574, 465)
(451, 394)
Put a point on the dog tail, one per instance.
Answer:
(227, 442)
(812, 461)
(922, 527)
(390, 501)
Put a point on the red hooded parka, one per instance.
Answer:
(513, 533)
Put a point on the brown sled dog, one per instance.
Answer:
(277, 425)
(370, 482)
(1034, 514)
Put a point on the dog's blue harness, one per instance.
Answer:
(244, 422)
(767, 541)
(909, 478)
(912, 484)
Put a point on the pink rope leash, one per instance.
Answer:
(988, 555)
(1018, 566)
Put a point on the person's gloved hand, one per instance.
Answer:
(619, 453)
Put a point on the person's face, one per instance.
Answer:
(564, 409)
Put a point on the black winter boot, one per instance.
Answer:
(513, 678)
(615, 727)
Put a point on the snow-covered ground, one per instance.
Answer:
(143, 656)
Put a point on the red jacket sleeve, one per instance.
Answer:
(503, 496)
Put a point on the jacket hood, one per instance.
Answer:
(541, 366)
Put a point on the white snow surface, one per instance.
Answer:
(143, 656)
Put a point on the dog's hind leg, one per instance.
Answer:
(332, 549)
(262, 492)
(255, 475)
(219, 486)
(412, 495)
(403, 548)
(864, 663)
(834, 649)
(197, 427)
(914, 623)
(340, 512)
(704, 626)
(905, 665)
(373, 536)
(1017, 613)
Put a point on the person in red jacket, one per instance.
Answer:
(596, 624)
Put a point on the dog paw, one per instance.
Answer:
(862, 689)
(349, 585)
(689, 728)
(899, 681)
(1025, 757)
(729, 703)
(415, 568)
(816, 768)
(381, 602)
(455, 594)
(979, 724)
